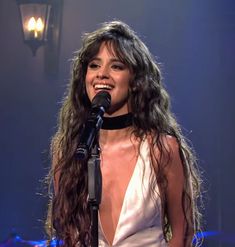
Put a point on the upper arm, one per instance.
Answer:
(174, 193)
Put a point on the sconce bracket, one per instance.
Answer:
(52, 48)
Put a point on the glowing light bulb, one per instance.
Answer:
(39, 25)
(31, 24)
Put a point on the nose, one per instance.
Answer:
(103, 72)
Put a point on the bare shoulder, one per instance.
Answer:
(171, 154)
(166, 152)
(170, 143)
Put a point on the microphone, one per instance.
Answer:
(99, 105)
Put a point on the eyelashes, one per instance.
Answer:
(114, 66)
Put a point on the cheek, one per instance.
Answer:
(125, 85)
(88, 87)
(87, 79)
(89, 75)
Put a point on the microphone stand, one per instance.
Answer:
(89, 148)
(94, 190)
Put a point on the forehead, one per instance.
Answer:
(114, 50)
(108, 48)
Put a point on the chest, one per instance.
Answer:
(117, 167)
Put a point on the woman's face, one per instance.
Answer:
(105, 72)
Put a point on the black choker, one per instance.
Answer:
(119, 122)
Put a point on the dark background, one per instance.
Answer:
(195, 43)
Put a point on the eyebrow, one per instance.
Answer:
(112, 59)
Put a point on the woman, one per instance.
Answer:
(150, 183)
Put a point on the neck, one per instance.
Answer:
(113, 137)
(116, 129)
(118, 122)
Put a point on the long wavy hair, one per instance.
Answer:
(69, 213)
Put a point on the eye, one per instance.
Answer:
(118, 66)
(93, 65)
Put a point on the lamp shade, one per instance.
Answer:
(35, 15)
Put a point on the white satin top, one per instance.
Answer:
(139, 224)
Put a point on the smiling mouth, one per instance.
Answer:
(103, 86)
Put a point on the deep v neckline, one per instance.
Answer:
(124, 198)
(123, 204)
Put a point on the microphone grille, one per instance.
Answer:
(102, 99)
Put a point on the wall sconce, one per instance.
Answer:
(41, 25)
(35, 17)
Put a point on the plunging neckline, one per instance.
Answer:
(123, 204)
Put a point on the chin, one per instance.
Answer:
(117, 110)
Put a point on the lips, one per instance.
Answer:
(104, 86)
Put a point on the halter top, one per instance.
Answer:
(139, 223)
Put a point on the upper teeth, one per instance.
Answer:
(101, 86)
